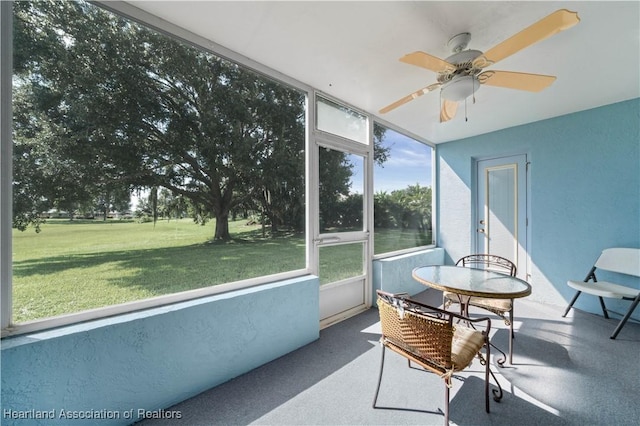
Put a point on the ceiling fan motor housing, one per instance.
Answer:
(463, 81)
(459, 42)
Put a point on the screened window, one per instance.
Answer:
(144, 166)
(402, 193)
(341, 121)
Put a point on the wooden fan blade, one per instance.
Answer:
(559, 20)
(448, 110)
(427, 61)
(410, 97)
(516, 80)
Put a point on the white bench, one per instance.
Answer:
(620, 260)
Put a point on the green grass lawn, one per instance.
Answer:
(389, 240)
(77, 265)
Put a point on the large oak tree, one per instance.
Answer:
(104, 104)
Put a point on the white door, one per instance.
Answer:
(342, 155)
(501, 210)
(342, 241)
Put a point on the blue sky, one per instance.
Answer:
(409, 163)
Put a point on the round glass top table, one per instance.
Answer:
(469, 282)
(472, 282)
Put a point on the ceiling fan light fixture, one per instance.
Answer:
(460, 88)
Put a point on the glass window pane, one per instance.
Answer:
(146, 166)
(340, 262)
(341, 191)
(402, 192)
(341, 121)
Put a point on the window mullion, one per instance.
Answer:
(6, 71)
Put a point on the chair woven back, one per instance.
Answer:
(488, 261)
(427, 337)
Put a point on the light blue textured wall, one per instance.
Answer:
(152, 359)
(394, 274)
(584, 192)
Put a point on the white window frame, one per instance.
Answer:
(6, 159)
(6, 162)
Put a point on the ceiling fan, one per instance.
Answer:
(461, 74)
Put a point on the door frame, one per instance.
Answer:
(524, 214)
(321, 140)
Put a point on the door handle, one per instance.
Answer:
(327, 240)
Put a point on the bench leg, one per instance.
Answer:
(571, 303)
(626, 317)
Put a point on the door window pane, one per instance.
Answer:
(341, 191)
(502, 211)
(340, 262)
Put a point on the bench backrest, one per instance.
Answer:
(621, 260)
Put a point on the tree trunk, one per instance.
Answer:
(222, 227)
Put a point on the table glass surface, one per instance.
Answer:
(472, 282)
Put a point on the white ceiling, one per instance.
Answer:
(350, 50)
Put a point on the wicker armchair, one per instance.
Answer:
(500, 307)
(428, 337)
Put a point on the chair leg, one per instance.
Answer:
(497, 393)
(626, 317)
(447, 383)
(511, 334)
(375, 398)
(486, 384)
(604, 308)
(571, 303)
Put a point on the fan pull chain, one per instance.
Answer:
(473, 90)
(473, 95)
(465, 110)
